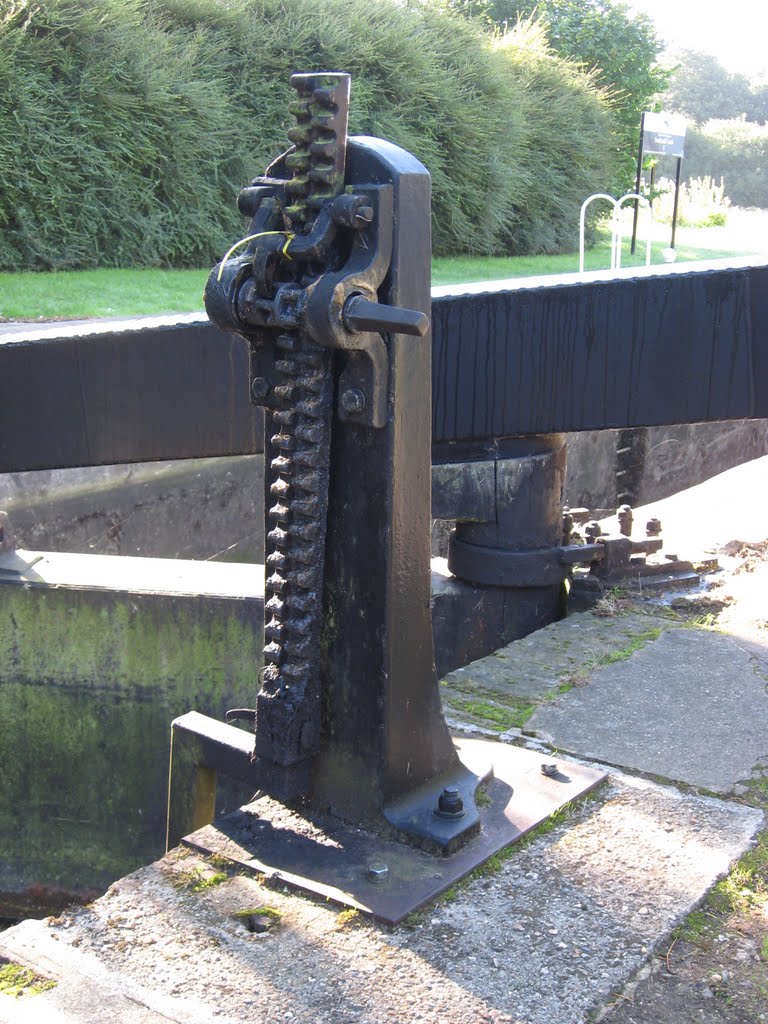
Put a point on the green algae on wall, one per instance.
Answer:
(89, 684)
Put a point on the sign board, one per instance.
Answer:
(664, 133)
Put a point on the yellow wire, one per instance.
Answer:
(249, 238)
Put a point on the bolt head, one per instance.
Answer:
(653, 527)
(592, 530)
(259, 388)
(363, 216)
(377, 872)
(450, 804)
(353, 401)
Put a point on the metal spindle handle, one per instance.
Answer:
(361, 315)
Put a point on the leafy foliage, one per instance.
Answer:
(127, 127)
(702, 203)
(565, 134)
(604, 36)
(737, 152)
(703, 90)
(110, 133)
(728, 138)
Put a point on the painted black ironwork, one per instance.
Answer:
(298, 452)
(332, 295)
(348, 718)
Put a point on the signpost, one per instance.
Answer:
(663, 134)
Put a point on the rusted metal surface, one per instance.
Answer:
(370, 871)
(348, 724)
(293, 239)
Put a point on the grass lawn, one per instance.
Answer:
(81, 294)
(75, 295)
(461, 269)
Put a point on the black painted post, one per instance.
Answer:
(385, 732)
(677, 201)
(637, 184)
(336, 310)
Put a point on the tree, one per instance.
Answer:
(757, 108)
(128, 126)
(621, 48)
(737, 152)
(702, 89)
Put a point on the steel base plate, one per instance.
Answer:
(333, 859)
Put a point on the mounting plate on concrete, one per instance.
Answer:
(383, 877)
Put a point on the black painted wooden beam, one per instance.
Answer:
(657, 347)
(650, 347)
(143, 390)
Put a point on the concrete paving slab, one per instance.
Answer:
(691, 706)
(546, 939)
(86, 992)
(535, 665)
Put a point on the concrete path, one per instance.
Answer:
(553, 932)
(35, 329)
(691, 706)
(545, 940)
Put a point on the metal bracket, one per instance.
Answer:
(338, 310)
(441, 815)
(372, 872)
(325, 313)
(501, 567)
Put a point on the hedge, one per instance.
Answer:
(127, 127)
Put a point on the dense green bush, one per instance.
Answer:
(620, 44)
(128, 126)
(115, 139)
(737, 152)
(567, 150)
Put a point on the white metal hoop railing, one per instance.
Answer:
(617, 235)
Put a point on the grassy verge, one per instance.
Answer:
(462, 269)
(80, 295)
(76, 295)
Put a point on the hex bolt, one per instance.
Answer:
(450, 804)
(653, 527)
(259, 388)
(592, 531)
(353, 401)
(377, 872)
(624, 515)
